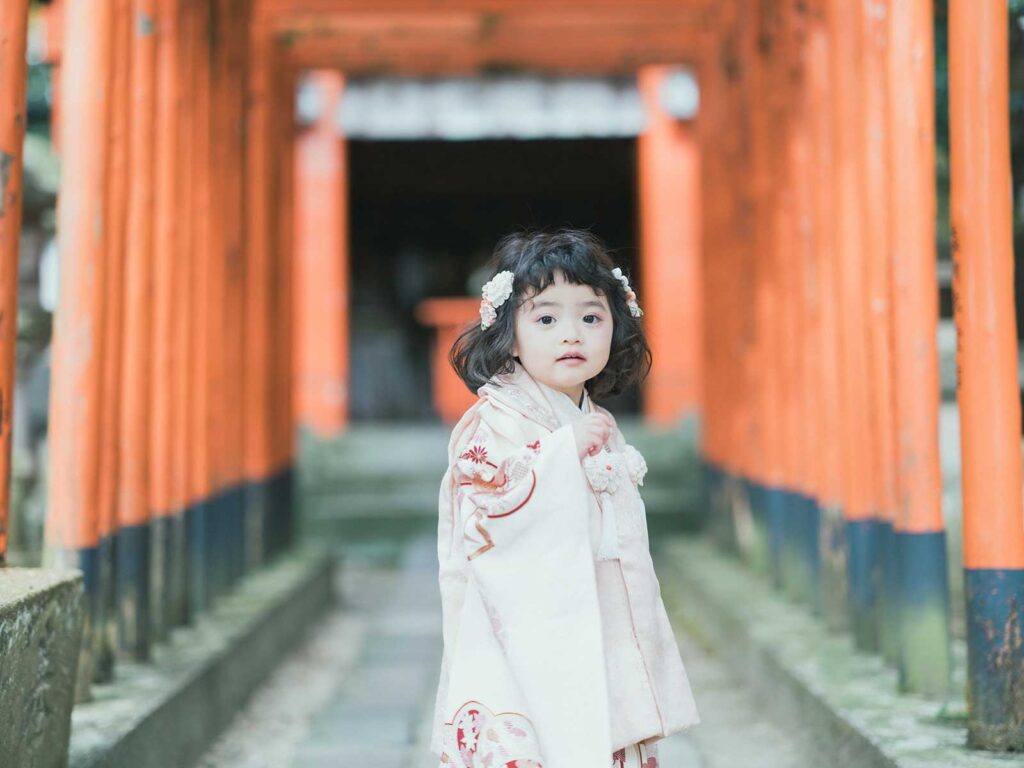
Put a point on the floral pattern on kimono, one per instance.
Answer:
(497, 489)
(520, 504)
(636, 756)
(479, 738)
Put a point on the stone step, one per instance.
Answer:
(418, 500)
(400, 486)
(383, 482)
(382, 456)
(383, 479)
(345, 522)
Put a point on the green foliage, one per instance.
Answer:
(1017, 118)
(39, 96)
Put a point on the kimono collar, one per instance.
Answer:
(537, 401)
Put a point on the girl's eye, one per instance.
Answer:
(544, 318)
(595, 320)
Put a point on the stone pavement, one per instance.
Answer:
(360, 691)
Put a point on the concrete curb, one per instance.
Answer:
(166, 713)
(845, 700)
(40, 631)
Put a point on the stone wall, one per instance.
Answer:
(40, 631)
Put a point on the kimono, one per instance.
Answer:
(558, 652)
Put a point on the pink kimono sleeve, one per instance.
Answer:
(524, 512)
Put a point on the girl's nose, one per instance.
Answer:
(572, 333)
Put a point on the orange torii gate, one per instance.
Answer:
(463, 37)
(821, 297)
(171, 428)
(172, 411)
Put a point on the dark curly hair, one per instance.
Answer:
(533, 258)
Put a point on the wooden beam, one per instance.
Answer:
(467, 42)
(281, 8)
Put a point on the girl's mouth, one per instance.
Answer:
(572, 357)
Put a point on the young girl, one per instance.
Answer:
(557, 649)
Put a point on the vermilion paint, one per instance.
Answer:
(668, 186)
(13, 78)
(322, 268)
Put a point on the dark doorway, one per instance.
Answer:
(426, 214)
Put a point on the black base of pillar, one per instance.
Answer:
(132, 569)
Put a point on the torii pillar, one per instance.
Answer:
(321, 262)
(981, 207)
(13, 80)
(669, 222)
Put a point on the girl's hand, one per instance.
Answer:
(591, 432)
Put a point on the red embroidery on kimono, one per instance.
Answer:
(495, 491)
(494, 505)
(498, 505)
(520, 505)
(478, 738)
(477, 454)
(630, 757)
(474, 462)
(488, 542)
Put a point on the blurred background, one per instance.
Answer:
(403, 179)
(439, 169)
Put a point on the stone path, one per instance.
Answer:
(360, 691)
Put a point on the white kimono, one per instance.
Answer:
(557, 647)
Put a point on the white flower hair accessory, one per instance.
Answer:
(495, 293)
(634, 308)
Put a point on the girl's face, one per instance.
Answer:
(563, 335)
